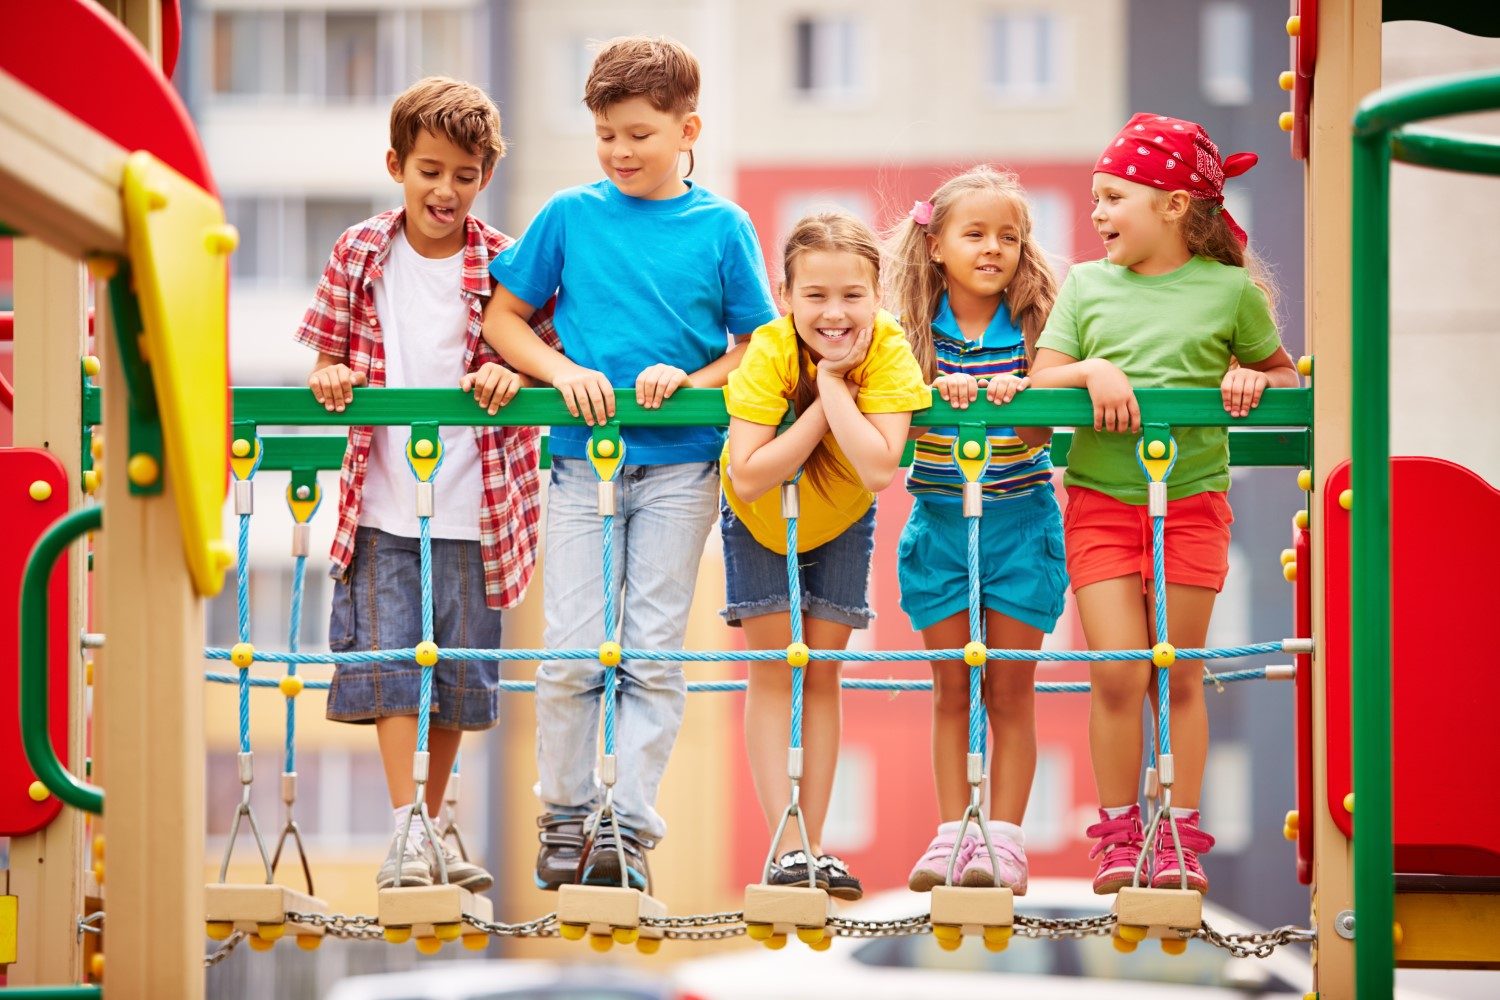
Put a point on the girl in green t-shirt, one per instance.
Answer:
(1177, 302)
(847, 370)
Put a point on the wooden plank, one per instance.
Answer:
(786, 907)
(1159, 910)
(601, 908)
(973, 909)
(421, 907)
(247, 906)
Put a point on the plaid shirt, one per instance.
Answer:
(342, 322)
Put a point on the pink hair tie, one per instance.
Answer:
(921, 212)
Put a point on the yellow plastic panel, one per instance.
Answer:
(9, 920)
(179, 246)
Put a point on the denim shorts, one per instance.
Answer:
(1022, 572)
(378, 605)
(835, 576)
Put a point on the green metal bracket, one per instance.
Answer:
(606, 449)
(144, 419)
(34, 695)
(304, 483)
(92, 415)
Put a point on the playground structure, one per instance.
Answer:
(129, 192)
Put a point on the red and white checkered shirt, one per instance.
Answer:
(342, 321)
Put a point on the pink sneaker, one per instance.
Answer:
(1165, 872)
(1121, 841)
(932, 868)
(1010, 863)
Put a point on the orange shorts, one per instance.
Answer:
(1107, 538)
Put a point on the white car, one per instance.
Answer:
(506, 979)
(914, 966)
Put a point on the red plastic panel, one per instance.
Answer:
(77, 56)
(25, 521)
(1303, 622)
(1445, 683)
(171, 36)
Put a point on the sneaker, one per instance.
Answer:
(841, 885)
(791, 869)
(461, 872)
(412, 865)
(561, 849)
(1121, 841)
(1009, 862)
(603, 864)
(932, 868)
(1165, 872)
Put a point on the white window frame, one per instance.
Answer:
(1043, 92)
(859, 88)
(1226, 37)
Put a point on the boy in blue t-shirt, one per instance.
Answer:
(653, 275)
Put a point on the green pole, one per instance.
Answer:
(90, 992)
(34, 696)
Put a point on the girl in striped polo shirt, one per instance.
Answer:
(973, 291)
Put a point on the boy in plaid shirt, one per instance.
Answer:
(401, 303)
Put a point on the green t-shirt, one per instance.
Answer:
(1175, 330)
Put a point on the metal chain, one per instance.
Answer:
(358, 927)
(846, 927)
(1255, 945)
(1064, 928)
(696, 920)
(222, 952)
(543, 926)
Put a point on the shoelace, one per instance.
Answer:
(1115, 834)
(1192, 838)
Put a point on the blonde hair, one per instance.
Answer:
(660, 69)
(452, 109)
(829, 232)
(1207, 235)
(916, 282)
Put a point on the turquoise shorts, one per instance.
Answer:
(1022, 569)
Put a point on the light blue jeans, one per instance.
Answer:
(662, 517)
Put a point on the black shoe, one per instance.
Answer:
(841, 885)
(561, 851)
(791, 870)
(603, 864)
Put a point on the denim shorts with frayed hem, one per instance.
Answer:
(835, 576)
(378, 605)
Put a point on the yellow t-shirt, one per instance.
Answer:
(759, 390)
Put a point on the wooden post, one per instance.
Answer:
(1348, 69)
(47, 868)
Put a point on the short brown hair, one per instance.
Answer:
(452, 109)
(659, 69)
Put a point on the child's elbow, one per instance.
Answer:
(747, 488)
(876, 480)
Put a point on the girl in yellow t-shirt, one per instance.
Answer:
(848, 372)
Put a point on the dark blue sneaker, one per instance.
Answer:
(561, 849)
(603, 864)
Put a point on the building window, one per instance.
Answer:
(1026, 55)
(1224, 52)
(1049, 809)
(286, 240)
(829, 54)
(850, 825)
(1052, 223)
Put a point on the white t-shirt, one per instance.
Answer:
(424, 320)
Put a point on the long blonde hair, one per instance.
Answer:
(832, 232)
(1207, 235)
(916, 283)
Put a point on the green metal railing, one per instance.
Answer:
(1380, 137)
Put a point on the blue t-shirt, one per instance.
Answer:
(639, 283)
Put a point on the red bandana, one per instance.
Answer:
(1174, 155)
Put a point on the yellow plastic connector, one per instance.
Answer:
(447, 932)
(1287, 121)
(37, 791)
(625, 935)
(572, 932)
(1157, 449)
(1163, 654)
(142, 469)
(648, 946)
(776, 942)
(822, 944)
(40, 490)
(426, 654)
(758, 932)
(309, 942)
(397, 935)
(429, 946)
(476, 942)
(1346, 499)
(219, 930)
(810, 935)
(1294, 26)
(1289, 572)
(242, 655)
(948, 936)
(1299, 520)
(997, 938)
(1174, 945)
(1305, 365)
(1304, 480)
(1123, 945)
(1288, 555)
(797, 654)
(975, 653)
(1287, 80)
(258, 943)
(601, 942)
(98, 846)
(290, 685)
(102, 268)
(270, 932)
(91, 481)
(99, 872)
(1131, 932)
(1349, 803)
(972, 449)
(221, 241)
(609, 653)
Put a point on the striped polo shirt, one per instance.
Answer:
(1014, 467)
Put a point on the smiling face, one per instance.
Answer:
(832, 295)
(1139, 225)
(440, 181)
(979, 246)
(639, 147)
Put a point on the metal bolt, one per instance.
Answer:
(1344, 924)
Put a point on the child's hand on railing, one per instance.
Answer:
(1003, 388)
(333, 386)
(493, 385)
(586, 393)
(957, 389)
(1115, 405)
(658, 383)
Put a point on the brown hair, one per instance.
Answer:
(457, 111)
(917, 282)
(830, 232)
(660, 69)
(1207, 235)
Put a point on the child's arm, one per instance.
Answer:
(658, 382)
(1115, 407)
(1244, 383)
(332, 383)
(585, 392)
(873, 442)
(760, 459)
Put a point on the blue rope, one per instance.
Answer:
(977, 718)
(794, 596)
(293, 641)
(1163, 675)
(753, 655)
(424, 702)
(610, 632)
(848, 683)
(242, 606)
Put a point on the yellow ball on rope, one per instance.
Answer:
(975, 653)
(426, 654)
(797, 654)
(242, 655)
(1163, 654)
